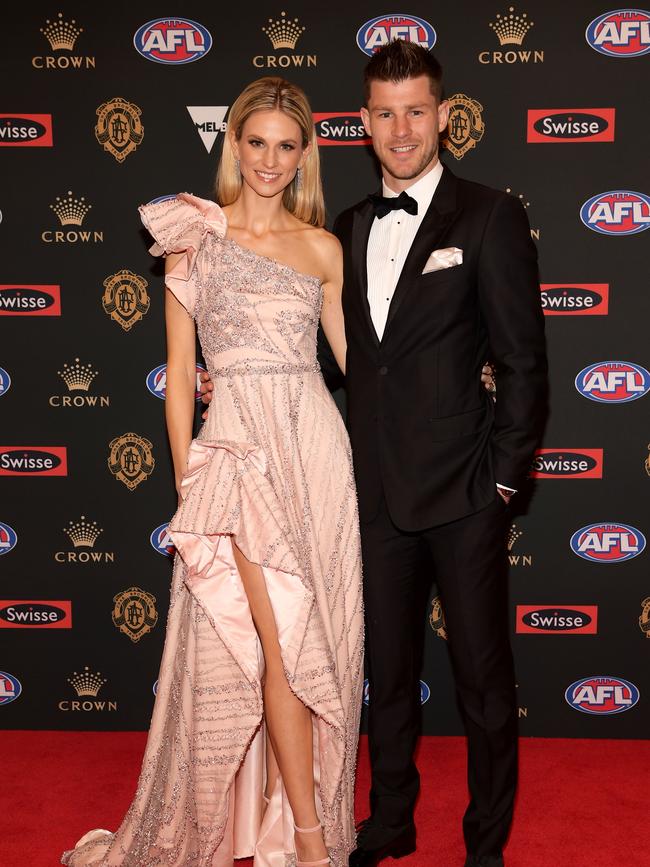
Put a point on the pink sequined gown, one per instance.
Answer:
(271, 466)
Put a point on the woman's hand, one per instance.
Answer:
(207, 387)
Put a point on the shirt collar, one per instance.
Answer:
(422, 191)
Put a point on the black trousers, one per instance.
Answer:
(470, 568)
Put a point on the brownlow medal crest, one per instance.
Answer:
(125, 298)
(134, 612)
(131, 459)
(465, 127)
(644, 619)
(119, 128)
(437, 618)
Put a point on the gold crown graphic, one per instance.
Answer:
(283, 33)
(86, 683)
(60, 33)
(70, 211)
(77, 376)
(511, 28)
(83, 534)
(521, 197)
(513, 535)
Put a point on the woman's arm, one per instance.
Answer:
(331, 316)
(181, 376)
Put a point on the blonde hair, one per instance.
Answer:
(304, 200)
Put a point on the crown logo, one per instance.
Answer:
(513, 535)
(521, 197)
(86, 683)
(61, 34)
(83, 534)
(283, 32)
(70, 211)
(511, 28)
(77, 376)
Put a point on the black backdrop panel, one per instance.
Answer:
(100, 114)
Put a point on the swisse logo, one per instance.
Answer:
(32, 614)
(161, 541)
(613, 381)
(570, 124)
(575, 299)
(567, 464)
(157, 381)
(621, 33)
(26, 130)
(555, 620)
(33, 461)
(377, 32)
(8, 538)
(618, 212)
(602, 695)
(340, 128)
(425, 692)
(172, 40)
(26, 299)
(10, 688)
(608, 543)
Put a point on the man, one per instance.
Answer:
(435, 281)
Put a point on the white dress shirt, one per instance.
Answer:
(389, 243)
(390, 240)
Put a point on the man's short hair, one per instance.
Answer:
(398, 60)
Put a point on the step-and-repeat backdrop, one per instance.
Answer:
(106, 106)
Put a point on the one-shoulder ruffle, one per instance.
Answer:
(181, 225)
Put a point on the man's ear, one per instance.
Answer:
(365, 117)
(443, 115)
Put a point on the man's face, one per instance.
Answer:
(405, 122)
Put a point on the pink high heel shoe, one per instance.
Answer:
(323, 861)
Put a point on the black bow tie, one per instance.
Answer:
(384, 205)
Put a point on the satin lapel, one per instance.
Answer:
(363, 219)
(441, 214)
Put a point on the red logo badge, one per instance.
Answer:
(35, 614)
(570, 125)
(26, 299)
(567, 464)
(575, 299)
(33, 461)
(26, 130)
(557, 619)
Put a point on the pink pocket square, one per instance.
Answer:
(445, 258)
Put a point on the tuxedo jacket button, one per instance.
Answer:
(383, 370)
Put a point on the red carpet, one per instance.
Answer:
(581, 803)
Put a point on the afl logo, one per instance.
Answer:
(159, 199)
(8, 538)
(5, 382)
(618, 212)
(608, 543)
(10, 688)
(157, 381)
(425, 692)
(621, 33)
(161, 541)
(382, 30)
(602, 695)
(172, 40)
(613, 381)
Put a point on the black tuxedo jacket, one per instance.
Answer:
(423, 428)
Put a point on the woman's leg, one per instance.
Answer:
(288, 720)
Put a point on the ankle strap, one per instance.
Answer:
(309, 831)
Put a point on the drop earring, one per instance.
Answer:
(238, 169)
(299, 178)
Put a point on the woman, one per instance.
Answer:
(256, 719)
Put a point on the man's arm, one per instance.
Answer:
(511, 306)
